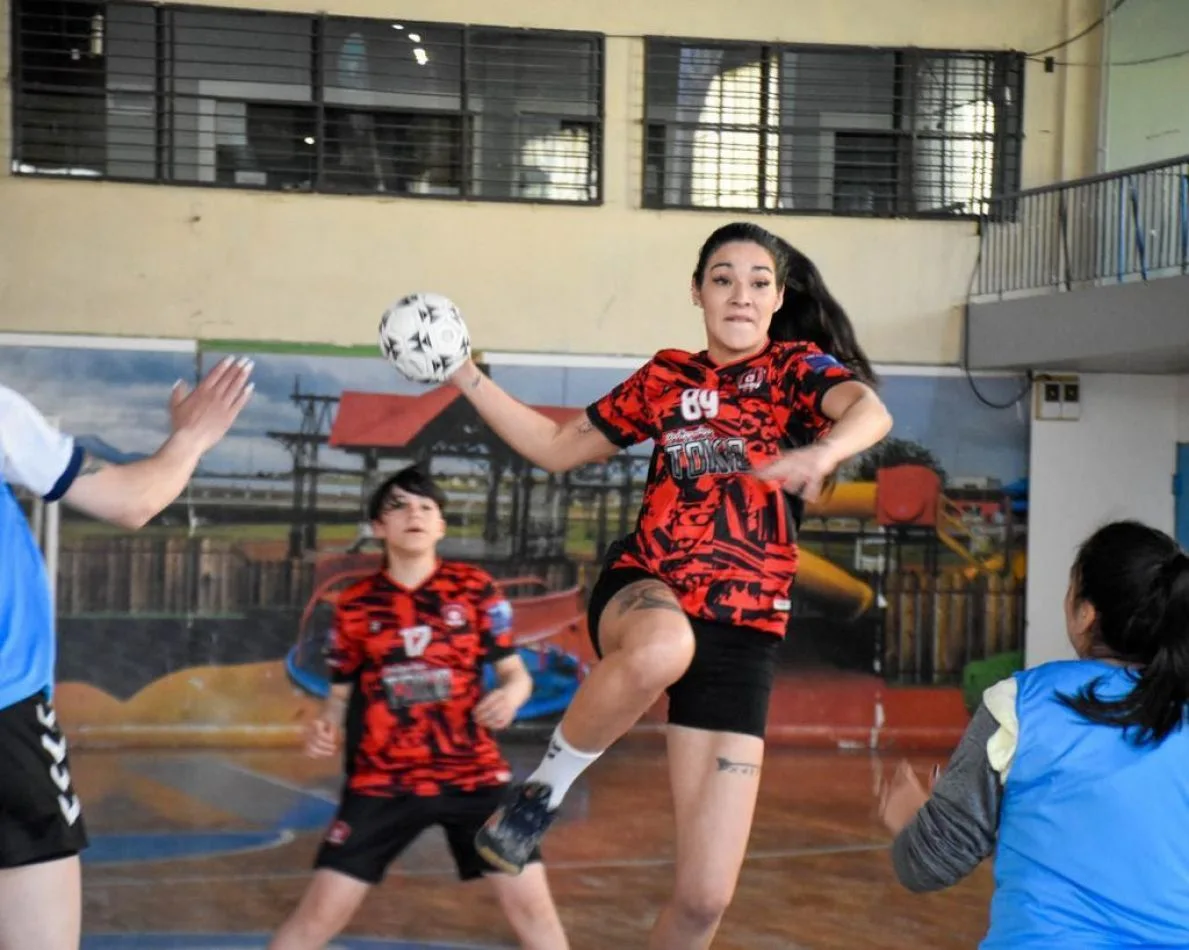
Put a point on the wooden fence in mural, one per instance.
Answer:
(935, 624)
(203, 577)
(175, 577)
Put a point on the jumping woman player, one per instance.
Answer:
(695, 601)
(407, 657)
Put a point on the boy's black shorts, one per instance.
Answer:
(370, 832)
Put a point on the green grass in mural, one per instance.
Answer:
(218, 532)
(296, 349)
(580, 537)
(280, 347)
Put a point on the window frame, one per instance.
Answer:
(164, 141)
(1003, 142)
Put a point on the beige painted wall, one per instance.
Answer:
(173, 261)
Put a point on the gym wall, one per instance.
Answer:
(1117, 460)
(84, 256)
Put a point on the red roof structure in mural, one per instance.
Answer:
(385, 420)
(393, 422)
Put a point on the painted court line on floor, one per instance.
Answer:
(279, 782)
(257, 941)
(783, 854)
(106, 850)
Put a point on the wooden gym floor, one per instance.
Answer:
(210, 849)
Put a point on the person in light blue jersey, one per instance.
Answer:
(1075, 773)
(41, 824)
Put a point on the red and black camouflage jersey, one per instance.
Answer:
(722, 539)
(416, 658)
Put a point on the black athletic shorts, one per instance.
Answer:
(370, 832)
(729, 681)
(40, 815)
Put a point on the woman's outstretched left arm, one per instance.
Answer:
(859, 420)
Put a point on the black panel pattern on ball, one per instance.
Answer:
(389, 345)
(398, 341)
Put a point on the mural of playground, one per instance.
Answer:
(208, 627)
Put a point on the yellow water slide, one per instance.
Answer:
(825, 579)
(848, 500)
(858, 500)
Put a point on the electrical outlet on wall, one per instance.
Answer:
(1071, 399)
(1058, 397)
(1048, 399)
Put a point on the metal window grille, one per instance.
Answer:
(829, 130)
(246, 99)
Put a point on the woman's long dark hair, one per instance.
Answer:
(809, 313)
(1137, 580)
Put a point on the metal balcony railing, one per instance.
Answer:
(1130, 224)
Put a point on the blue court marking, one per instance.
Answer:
(173, 846)
(310, 814)
(167, 941)
(307, 812)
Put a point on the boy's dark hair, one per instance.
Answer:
(411, 479)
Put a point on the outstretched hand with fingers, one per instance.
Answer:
(208, 411)
(903, 797)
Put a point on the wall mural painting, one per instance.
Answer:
(212, 619)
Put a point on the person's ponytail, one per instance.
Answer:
(811, 314)
(1154, 637)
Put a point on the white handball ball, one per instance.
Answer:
(424, 337)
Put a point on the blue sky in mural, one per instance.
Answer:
(968, 437)
(249, 449)
(121, 397)
(940, 412)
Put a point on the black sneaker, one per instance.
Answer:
(509, 837)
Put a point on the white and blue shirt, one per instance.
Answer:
(37, 457)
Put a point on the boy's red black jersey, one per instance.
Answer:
(416, 658)
(722, 539)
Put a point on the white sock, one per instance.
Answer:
(561, 767)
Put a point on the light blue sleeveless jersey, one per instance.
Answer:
(35, 456)
(1093, 849)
